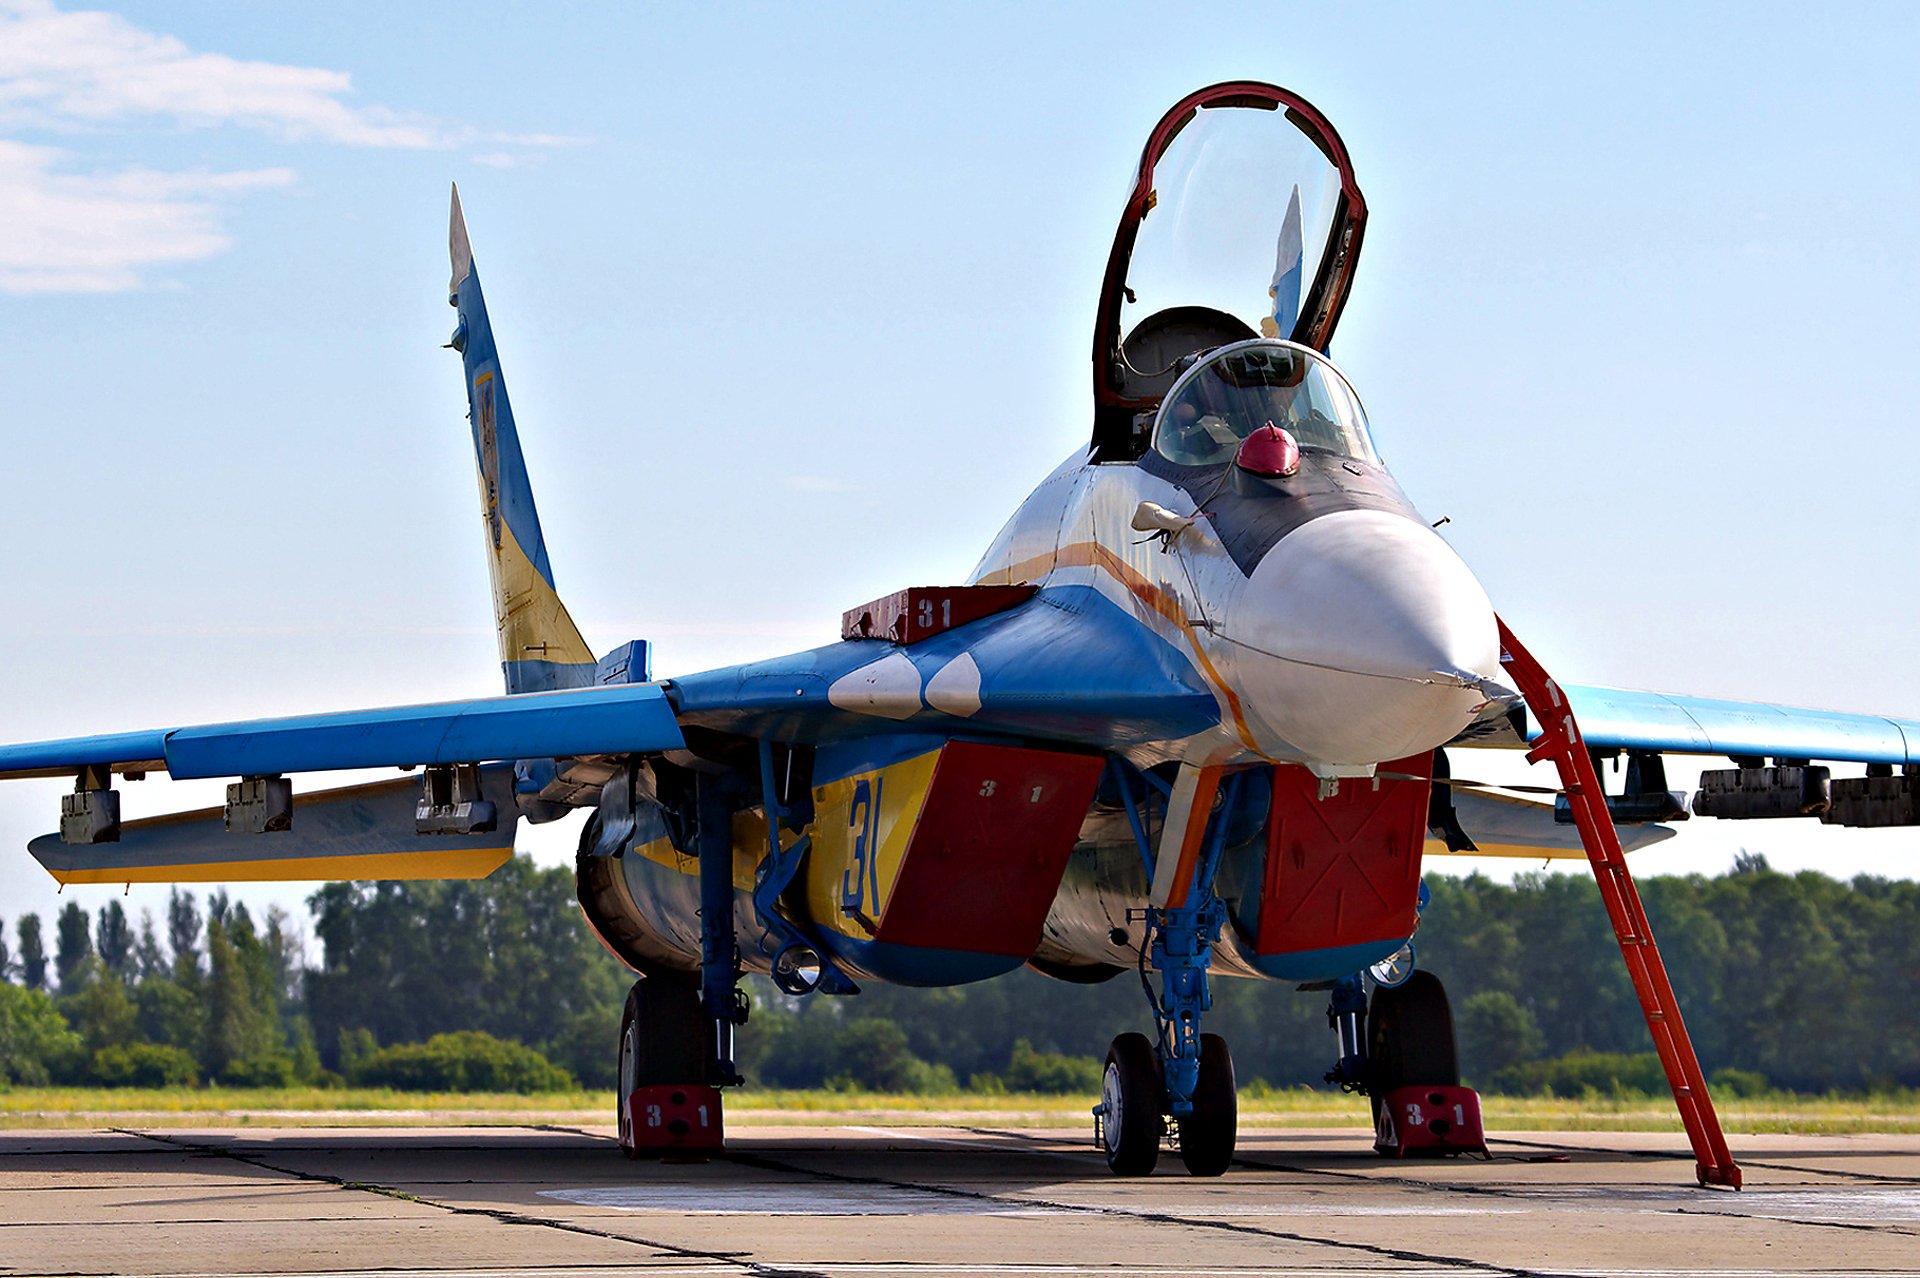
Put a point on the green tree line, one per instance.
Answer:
(1791, 981)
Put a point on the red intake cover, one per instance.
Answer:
(989, 849)
(1343, 870)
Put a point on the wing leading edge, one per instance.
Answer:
(616, 719)
(1618, 718)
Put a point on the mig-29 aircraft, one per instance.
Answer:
(1188, 717)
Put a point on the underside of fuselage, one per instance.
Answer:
(939, 862)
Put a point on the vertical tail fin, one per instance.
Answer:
(540, 647)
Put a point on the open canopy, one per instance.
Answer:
(1244, 221)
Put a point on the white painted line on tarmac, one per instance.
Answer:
(794, 1200)
(931, 1270)
(896, 1133)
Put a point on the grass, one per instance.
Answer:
(42, 1107)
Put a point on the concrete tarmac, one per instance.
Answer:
(527, 1202)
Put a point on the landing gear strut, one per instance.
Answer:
(676, 1034)
(1188, 1076)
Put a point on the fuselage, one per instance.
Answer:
(1332, 628)
(1335, 628)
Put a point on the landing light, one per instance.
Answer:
(1270, 451)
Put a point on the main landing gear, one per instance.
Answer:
(667, 1100)
(1399, 1052)
(1184, 1084)
(676, 1034)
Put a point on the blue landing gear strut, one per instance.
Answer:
(1182, 948)
(800, 964)
(1347, 1013)
(1192, 1076)
(721, 998)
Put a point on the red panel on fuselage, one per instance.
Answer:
(1344, 870)
(989, 849)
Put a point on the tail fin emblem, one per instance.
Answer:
(489, 453)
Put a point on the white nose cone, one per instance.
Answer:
(1361, 638)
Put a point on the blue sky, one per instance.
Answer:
(795, 305)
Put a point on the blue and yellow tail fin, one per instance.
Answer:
(540, 647)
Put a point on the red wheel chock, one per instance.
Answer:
(1435, 1121)
(674, 1118)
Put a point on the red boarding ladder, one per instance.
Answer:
(1560, 740)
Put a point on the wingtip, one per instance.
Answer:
(459, 249)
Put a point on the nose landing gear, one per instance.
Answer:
(1187, 1077)
(1130, 1123)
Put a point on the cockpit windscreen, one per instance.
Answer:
(1243, 204)
(1234, 391)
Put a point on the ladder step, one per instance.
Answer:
(1560, 740)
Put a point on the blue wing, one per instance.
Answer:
(1619, 718)
(616, 719)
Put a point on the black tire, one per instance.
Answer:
(1207, 1137)
(627, 1077)
(1410, 1038)
(1135, 1099)
(664, 1038)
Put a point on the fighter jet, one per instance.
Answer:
(1188, 717)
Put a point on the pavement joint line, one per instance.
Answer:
(1864, 1226)
(1509, 1192)
(1458, 1265)
(560, 1129)
(1362, 1177)
(504, 1217)
(1037, 1270)
(1744, 1162)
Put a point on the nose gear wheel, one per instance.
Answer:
(1131, 1103)
(1207, 1135)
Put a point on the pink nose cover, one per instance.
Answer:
(1268, 451)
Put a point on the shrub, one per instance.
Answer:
(1031, 1071)
(871, 1054)
(1583, 1072)
(261, 1069)
(465, 1061)
(145, 1065)
(1729, 1081)
(1496, 1033)
(35, 1044)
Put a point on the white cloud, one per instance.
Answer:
(94, 233)
(95, 68)
(63, 230)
